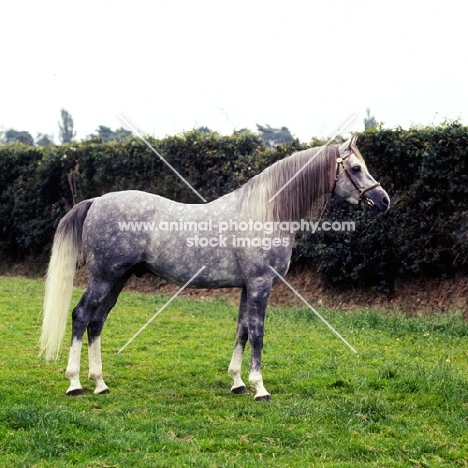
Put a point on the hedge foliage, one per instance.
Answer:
(424, 170)
(425, 232)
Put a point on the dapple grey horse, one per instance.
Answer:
(106, 234)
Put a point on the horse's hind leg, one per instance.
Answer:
(241, 339)
(94, 335)
(91, 301)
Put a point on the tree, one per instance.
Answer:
(107, 134)
(121, 134)
(274, 136)
(44, 140)
(66, 133)
(14, 136)
(369, 122)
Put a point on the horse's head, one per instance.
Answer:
(353, 181)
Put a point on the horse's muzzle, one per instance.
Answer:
(377, 201)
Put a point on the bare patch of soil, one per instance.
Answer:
(415, 296)
(412, 296)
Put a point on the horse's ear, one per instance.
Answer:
(348, 143)
(345, 146)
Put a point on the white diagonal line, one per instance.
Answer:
(157, 153)
(310, 160)
(313, 310)
(161, 309)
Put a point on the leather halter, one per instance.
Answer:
(340, 163)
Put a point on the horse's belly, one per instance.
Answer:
(199, 274)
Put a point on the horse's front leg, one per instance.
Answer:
(258, 292)
(241, 339)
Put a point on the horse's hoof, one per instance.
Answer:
(103, 392)
(76, 392)
(240, 390)
(263, 398)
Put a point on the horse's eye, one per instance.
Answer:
(356, 169)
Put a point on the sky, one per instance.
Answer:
(168, 66)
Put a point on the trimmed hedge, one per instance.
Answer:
(425, 171)
(38, 185)
(425, 232)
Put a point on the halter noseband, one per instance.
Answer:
(340, 163)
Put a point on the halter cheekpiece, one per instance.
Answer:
(340, 163)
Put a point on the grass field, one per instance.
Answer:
(401, 401)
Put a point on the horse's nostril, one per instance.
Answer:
(385, 201)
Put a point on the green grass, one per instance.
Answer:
(401, 401)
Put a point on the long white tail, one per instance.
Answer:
(66, 251)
